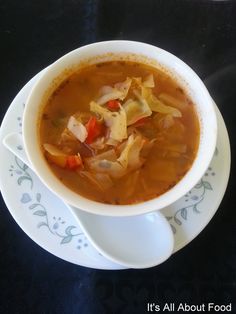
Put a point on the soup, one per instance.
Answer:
(119, 132)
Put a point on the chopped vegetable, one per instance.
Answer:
(113, 104)
(113, 94)
(53, 150)
(73, 162)
(99, 110)
(124, 87)
(55, 155)
(67, 136)
(130, 156)
(118, 125)
(106, 89)
(101, 181)
(136, 110)
(119, 91)
(172, 101)
(94, 129)
(141, 99)
(62, 160)
(129, 159)
(115, 121)
(57, 160)
(136, 82)
(77, 129)
(109, 155)
(68, 142)
(156, 105)
(149, 81)
(113, 168)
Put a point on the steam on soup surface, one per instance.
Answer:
(119, 132)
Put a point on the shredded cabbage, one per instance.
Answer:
(137, 81)
(106, 163)
(136, 109)
(130, 156)
(117, 167)
(109, 155)
(172, 101)
(101, 181)
(114, 94)
(156, 105)
(113, 168)
(119, 91)
(116, 121)
(124, 87)
(149, 81)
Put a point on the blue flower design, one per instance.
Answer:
(56, 225)
(25, 198)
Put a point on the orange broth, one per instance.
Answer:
(174, 140)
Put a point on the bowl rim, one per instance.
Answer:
(72, 198)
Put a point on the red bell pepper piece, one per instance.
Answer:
(73, 162)
(113, 104)
(94, 129)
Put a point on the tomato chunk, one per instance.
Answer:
(113, 104)
(73, 162)
(94, 129)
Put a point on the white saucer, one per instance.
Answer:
(46, 220)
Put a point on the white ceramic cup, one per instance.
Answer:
(121, 50)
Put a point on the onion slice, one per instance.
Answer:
(77, 129)
(53, 150)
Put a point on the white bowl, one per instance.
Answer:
(113, 50)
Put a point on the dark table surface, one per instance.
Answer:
(202, 33)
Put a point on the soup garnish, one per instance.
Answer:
(119, 132)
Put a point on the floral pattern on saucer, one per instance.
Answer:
(58, 226)
(192, 200)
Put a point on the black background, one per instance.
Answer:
(202, 33)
